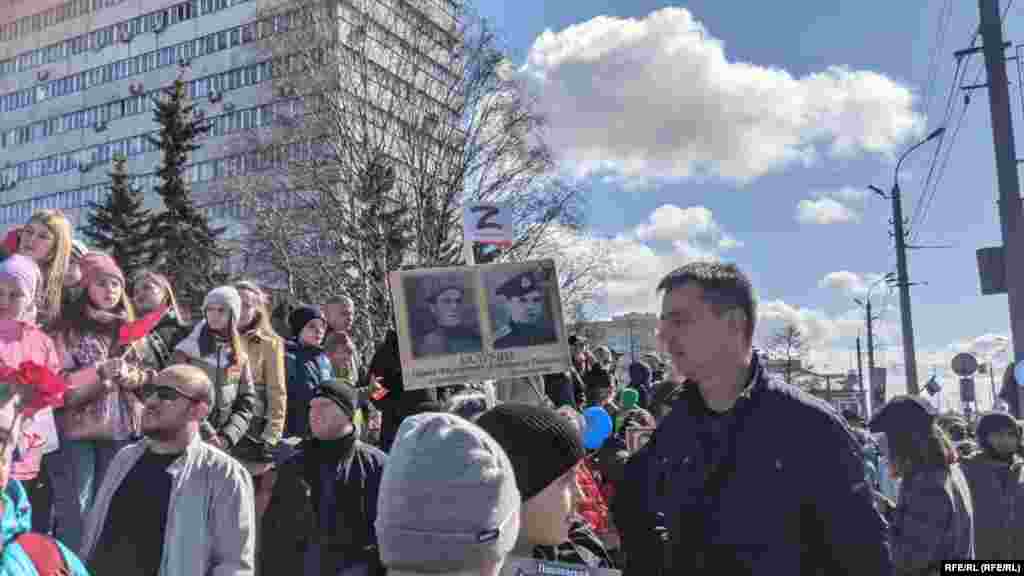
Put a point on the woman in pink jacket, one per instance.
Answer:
(21, 340)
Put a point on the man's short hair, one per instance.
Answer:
(339, 299)
(196, 378)
(251, 286)
(723, 286)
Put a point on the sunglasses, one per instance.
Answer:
(166, 393)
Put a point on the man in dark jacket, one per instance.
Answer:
(386, 371)
(746, 475)
(324, 500)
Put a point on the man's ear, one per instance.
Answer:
(737, 320)
(200, 410)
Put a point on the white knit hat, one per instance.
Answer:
(225, 296)
(448, 498)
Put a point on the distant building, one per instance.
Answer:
(844, 393)
(630, 335)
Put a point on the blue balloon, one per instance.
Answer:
(599, 427)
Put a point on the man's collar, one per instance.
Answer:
(755, 383)
(194, 444)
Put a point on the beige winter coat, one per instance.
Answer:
(266, 360)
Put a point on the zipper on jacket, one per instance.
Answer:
(217, 386)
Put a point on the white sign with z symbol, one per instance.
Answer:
(487, 224)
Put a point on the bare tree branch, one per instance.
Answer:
(391, 117)
(789, 344)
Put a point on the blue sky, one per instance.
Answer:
(748, 131)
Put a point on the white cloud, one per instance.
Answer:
(824, 211)
(844, 280)
(848, 194)
(691, 230)
(832, 207)
(657, 96)
(850, 283)
(671, 237)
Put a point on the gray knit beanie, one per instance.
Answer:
(228, 297)
(448, 498)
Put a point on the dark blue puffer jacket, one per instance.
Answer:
(791, 498)
(306, 367)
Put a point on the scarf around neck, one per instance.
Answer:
(96, 336)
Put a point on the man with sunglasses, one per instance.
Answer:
(209, 529)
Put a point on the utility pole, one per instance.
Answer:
(1006, 170)
(877, 395)
(909, 358)
(860, 380)
(907, 326)
(871, 337)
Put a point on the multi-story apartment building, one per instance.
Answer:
(77, 78)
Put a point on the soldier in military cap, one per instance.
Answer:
(528, 325)
(449, 335)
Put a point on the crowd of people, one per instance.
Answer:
(136, 441)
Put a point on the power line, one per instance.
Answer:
(958, 74)
(928, 196)
(957, 78)
(940, 39)
(942, 169)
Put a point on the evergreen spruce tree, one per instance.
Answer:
(120, 226)
(188, 248)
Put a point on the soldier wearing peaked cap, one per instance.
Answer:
(528, 324)
(450, 335)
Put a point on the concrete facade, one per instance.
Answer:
(75, 85)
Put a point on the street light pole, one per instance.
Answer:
(909, 357)
(906, 321)
(878, 395)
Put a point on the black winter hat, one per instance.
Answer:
(541, 443)
(994, 422)
(303, 315)
(427, 407)
(597, 378)
(340, 393)
(639, 374)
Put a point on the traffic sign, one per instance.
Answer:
(964, 364)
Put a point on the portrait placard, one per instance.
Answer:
(442, 313)
(474, 323)
(518, 566)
